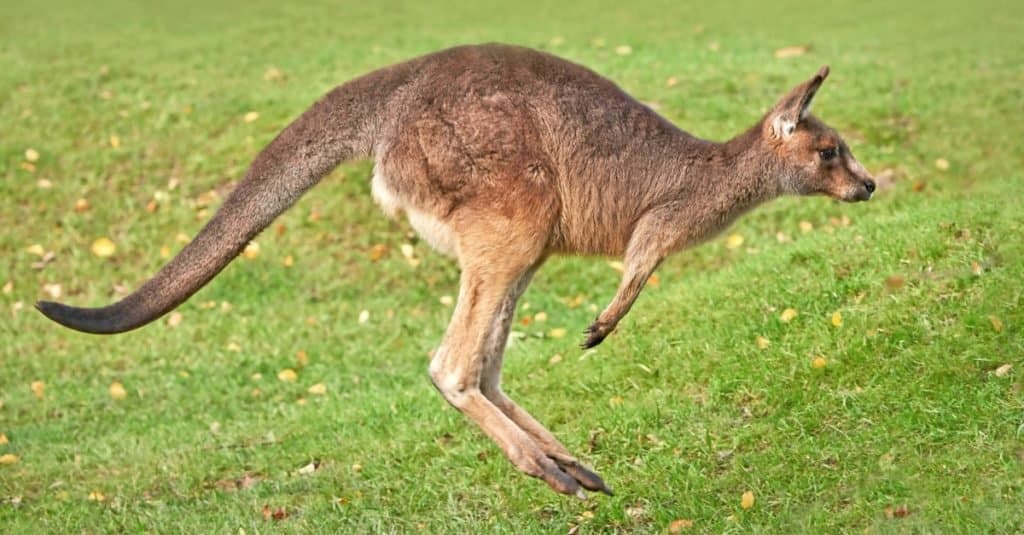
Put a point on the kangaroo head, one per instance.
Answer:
(813, 158)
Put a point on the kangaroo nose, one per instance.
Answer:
(869, 185)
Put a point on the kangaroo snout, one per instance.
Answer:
(869, 188)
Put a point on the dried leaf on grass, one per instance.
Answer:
(309, 468)
(117, 391)
(274, 514)
(679, 524)
(747, 500)
(897, 511)
(792, 51)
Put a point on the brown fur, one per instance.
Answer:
(502, 156)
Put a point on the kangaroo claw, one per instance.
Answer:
(596, 334)
(586, 477)
(560, 481)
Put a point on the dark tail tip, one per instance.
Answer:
(55, 311)
(86, 320)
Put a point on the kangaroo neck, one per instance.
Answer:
(728, 177)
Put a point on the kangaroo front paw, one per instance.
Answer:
(595, 334)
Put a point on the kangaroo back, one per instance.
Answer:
(340, 126)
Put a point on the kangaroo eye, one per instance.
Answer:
(827, 154)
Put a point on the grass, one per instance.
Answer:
(680, 410)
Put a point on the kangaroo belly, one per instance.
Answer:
(436, 232)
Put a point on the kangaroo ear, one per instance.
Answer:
(793, 107)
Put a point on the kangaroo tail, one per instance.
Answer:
(339, 127)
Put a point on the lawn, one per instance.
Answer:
(291, 394)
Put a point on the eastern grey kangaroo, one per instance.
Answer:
(500, 157)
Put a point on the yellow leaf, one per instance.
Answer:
(3, 439)
(818, 363)
(38, 389)
(174, 319)
(115, 142)
(762, 342)
(615, 401)
(942, 164)
(806, 226)
(8, 287)
(53, 290)
(273, 74)
(734, 241)
(378, 251)
(318, 389)
(165, 251)
(624, 50)
(251, 116)
(997, 324)
(36, 249)
(103, 247)
(447, 300)
(8, 458)
(837, 319)
(364, 316)
(252, 250)
(1004, 370)
(288, 261)
(31, 155)
(540, 317)
(679, 524)
(747, 501)
(82, 205)
(788, 315)
(96, 496)
(117, 391)
(559, 332)
(791, 51)
(617, 266)
(976, 268)
(287, 375)
(555, 359)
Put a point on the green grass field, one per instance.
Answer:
(915, 424)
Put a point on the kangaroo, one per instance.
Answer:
(500, 157)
